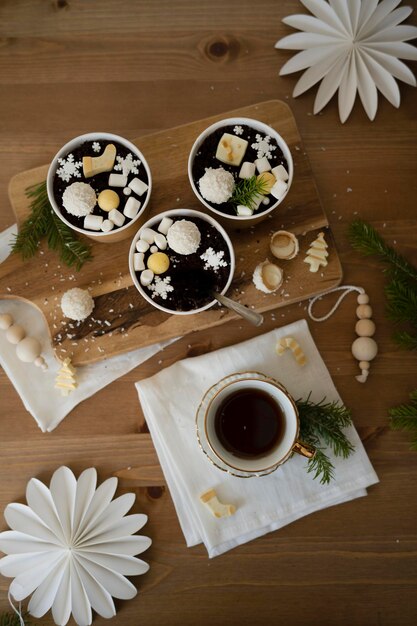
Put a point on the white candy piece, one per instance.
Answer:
(107, 226)
(146, 277)
(6, 320)
(280, 173)
(263, 165)
(15, 333)
(161, 241)
(142, 245)
(116, 217)
(147, 234)
(247, 170)
(127, 191)
(244, 210)
(93, 222)
(279, 189)
(266, 201)
(154, 249)
(231, 149)
(165, 225)
(28, 349)
(138, 186)
(138, 262)
(132, 207)
(117, 180)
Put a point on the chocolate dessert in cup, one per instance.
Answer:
(241, 170)
(179, 258)
(99, 184)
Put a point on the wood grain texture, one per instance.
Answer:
(122, 320)
(136, 67)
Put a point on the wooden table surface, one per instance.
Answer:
(133, 67)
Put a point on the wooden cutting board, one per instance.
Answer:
(122, 320)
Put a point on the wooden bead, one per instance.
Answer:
(28, 349)
(364, 349)
(6, 320)
(363, 298)
(364, 365)
(364, 311)
(365, 328)
(15, 333)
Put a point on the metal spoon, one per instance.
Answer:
(250, 316)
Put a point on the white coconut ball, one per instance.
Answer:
(77, 304)
(183, 237)
(216, 185)
(79, 199)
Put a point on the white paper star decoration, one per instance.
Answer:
(351, 45)
(72, 547)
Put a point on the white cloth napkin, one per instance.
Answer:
(170, 400)
(35, 387)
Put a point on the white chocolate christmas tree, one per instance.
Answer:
(317, 253)
(65, 380)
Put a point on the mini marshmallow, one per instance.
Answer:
(116, 217)
(127, 191)
(263, 165)
(279, 189)
(154, 249)
(247, 170)
(243, 210)
(93, 222)
(117, 180)
(161, 241)
(132, 207)
(146, 277)
(280, 173)
(265, 201)
(165, 225)
(138, 186)
(106, 226)
(138, 262)
(142, 245)
(148, 235)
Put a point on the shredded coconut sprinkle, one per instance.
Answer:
(161, 287)
(77, 304)
(216, 185)
(263, 146)
(213, 260)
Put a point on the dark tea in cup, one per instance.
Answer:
(249, 423)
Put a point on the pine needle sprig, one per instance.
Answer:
(247, 189)
(323, 422)
(366, 240)
(404, 417)
(12, 619)
(44, 223)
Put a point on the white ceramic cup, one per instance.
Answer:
(285, 446)
(117, 234)
(241, 220)
(153, 223)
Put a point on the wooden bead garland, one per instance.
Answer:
(28, 349)
(364, 348)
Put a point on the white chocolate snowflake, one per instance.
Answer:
(96, 146)
(127, 165)
(263, 146)
(238, 130)
(69, 168)
(161, 287)
(213, 260)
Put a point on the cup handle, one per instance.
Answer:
(304, 449)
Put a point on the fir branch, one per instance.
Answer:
(322, 422)
(365, 239)
(247, 189)
(12, 619)
(43, 222)
(404, 417)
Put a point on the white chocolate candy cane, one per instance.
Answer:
(294, 346)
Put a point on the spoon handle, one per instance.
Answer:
(250, 316)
